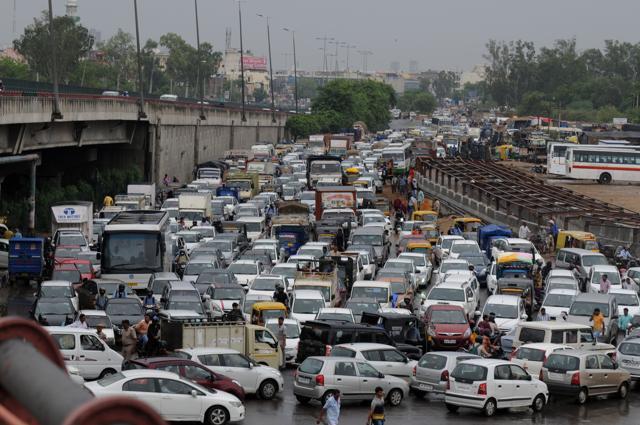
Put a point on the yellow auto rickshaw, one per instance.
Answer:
(420, 247)
(577, 239)
(463, 226)
(430, 232)
(353, 174)
(263, 310)
(429, 217)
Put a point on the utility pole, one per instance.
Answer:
(365, 54)
(55, 113)
(273, 99)
(336, 43)
(244, 116)
(141, 113)
(198, 84)
(349, 47)
(325, 66)
(295, 67)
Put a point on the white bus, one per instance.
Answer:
(603, 165)
(400, 154)
(557, 153)
(136, 244)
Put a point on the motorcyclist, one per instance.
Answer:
(281, 296)
(182, 258)
(625, 254)
(149, 301)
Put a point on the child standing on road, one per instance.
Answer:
(376, 413)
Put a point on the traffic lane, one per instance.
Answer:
(431, 409)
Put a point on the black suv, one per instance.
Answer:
(318, 336)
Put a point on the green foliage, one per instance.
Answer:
(304, 125)
(120, 55)
(260, 95)
(12, 69)
(420, 102)
(72, 41)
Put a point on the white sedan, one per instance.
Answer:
(175, 398)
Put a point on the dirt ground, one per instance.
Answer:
(625, 195)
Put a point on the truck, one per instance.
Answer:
(73, 215)
(291, 227)
(325, 167)
(194, 206)
(131, 202)
(255, 341)
(266, 171)
(26, 259)
(334, 197)
(317, 144)
(340, 144)
(148, 190)
(247, 184)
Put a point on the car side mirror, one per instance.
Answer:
(380, 375)
(194, 393)
(97, 256)
(528, 377)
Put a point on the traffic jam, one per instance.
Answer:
(319, 269)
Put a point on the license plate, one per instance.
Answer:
(449, 341)
(304, 380)
(132, 283)
(426, 387)
(556, 376)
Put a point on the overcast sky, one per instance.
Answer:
(436, 34)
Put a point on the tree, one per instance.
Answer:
(120, 54)
(420, 102)
(259, 95)
(445, 83)
(13, 69)
(73, 42)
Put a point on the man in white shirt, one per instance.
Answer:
(524, 231)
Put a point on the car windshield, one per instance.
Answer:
(308, 196)
(446, 294)
(315, 252)
(307, 306)
(502, 311)
(94, 321)
(562, 363)
(419, 261)
(469, 372)
(241, 185)
(380, 294)
(228, 294)
(318, 167)
(209, 278)
(586, 308)
(194, 269)
(186, 305)
(337, 215)
(629, 349)
(398, 287)
(614, 278)
(238, 268)
(358, 307)
(408, 226)
(446, 243)
(465, 249)
(324, 290)
(445, 267)
(71, 239)
(46, 308)
(206, 232)
(265, 284)
(594, 260)
(448, 317)
(558, 300)
(531, 354)
(291, 330)
(63, 291)
(520, 247)
(67, 253)
(375, 240)
(289, 272)
(399, 265)
(67, 275)
(123, 309)
(224, 246)
(626, 299)
(189, 237)
(562, 285)
(341, 317)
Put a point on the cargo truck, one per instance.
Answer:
(194, 206)
(247, 184)
(325, 167)
(334, 197)
(254, 341)
(76, 215)
(148, 190)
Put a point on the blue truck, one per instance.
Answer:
(26, 259)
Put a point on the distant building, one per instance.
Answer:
(11, 53)
(474, 76)
(413, 67)
(97, 36)
(256, 74)
(394, 80)
(411, 85)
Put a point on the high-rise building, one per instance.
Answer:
(395, 67)
(413, 66)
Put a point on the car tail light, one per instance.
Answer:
(575, 378)
(295, 374)
(414, 370)
(513, 354)
(448, 384)
(327, 350)
(482, 389)
(444, 376)
(320, 380)
(541, 376)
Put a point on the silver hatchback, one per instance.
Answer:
(317, 378)
(431, 375)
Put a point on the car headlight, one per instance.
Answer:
(236, 404)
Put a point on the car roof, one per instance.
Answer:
(454, 260)
(581, 251)
(360, 346)
(55, 283)
(244, 262)
(372, 283)
(93, 312)
(151, 373)
(368, 231)
(553, 325)
(445, 307)
(308, 293)
(560, 272)
(286, 320)
(487, 362)
(451, 354)
(207, 350)
(593, 297)
(605, 267)
(622, 291)
(545, 346)
(334, 310)
(180, 284)
(562, 291)
(450, 285)
(502, 299)
(161, 275)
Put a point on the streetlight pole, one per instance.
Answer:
(55, 113)
(295, 67)
(199, 84)
(244, 117)
(273, 99)
(141, 113)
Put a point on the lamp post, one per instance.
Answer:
(55, 112)
(273, 99)
(325, 67)
(295, 67)
(244, 116)
(199, 84)
(141, 113)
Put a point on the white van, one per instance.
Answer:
(256, 226)
(82, 349)
(380, 291)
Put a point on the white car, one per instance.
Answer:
(452, 293)
(191, 239)
(492, 278)
(626, 298)
(99, 317)
(446, 266)
(422, 264)
(560, 273)
(305, 304)
(292, 332)
(381, 219)
(558, 301)
(385, 358)
(502, 245)
(266, 285)
(4, 253)
(489, 385)
(196, 266)
(597, 271)
(59, 288)
(289, 271)
(245, 271)
(175, 398)
(532, 356)
(253, 377)
(509, 311)
(335, 314)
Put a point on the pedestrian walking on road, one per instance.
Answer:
(129, 340)
(282, 338)
(330, 413)
(524, 231)
(543, 316)
(597, 320)
(376, 413)
(605, 284)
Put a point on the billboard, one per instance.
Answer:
(254, 63)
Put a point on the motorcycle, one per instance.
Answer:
(398, 223)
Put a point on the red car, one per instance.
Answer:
(84, 267)
(190, 370)
(447, 327)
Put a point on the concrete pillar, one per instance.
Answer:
(257, 132)
(231, 134)
(196, 144)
